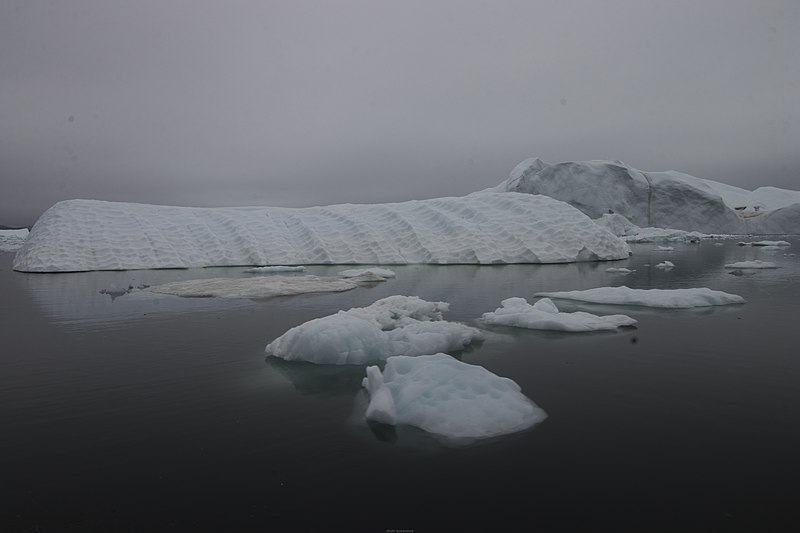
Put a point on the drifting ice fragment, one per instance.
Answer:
(447, 397)
(397, 325)
(544, 314)
(615, 270)
(374, 273)
(664, 298)
(752, 264)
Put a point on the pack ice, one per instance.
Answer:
(659, 199)
(482, 228)
(396, 325)
(447, 397)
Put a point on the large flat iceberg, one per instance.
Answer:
(447, 397)
(544, 314)
(396, 325)
(666, 298)
(659, 199)
(482, 228)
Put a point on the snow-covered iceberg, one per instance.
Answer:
(396, 325)
(544, 314)
(482, 228)
(262, 287)
(659, 199)
(447, 397)
(12, 239)
(665, 298)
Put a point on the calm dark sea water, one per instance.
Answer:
(147, 412)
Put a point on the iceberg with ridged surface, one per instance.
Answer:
(481, 228)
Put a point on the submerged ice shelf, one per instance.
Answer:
(482, 228)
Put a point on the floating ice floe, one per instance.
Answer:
(619, 270)
(664, 298)
(665, 249)
(262, 287)
(481, 228)
(771, 243)
(544, 314)
(276, 268)
(397, 325)
(12, 239)
(449, 398)
(751, 264)
(764, 243)
(665, 265)
(372, 274)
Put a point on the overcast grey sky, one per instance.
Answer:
(300, 103)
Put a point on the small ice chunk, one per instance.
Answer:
(665, 249)
(378, 274)
(663, 298)
(544, 314)
(277, 268)
(449, 398)
(666, 265)
(616, 270)
(381, 404)
(752, 264)
(771, 243)
(397, 325)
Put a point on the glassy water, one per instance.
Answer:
(124, 410)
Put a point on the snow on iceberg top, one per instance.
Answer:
(665, 298)
(449, 398)
(484, 228)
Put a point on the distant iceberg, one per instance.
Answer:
(12, 239)
(659, 199)
(482, 228)
(396, 325)
(449, 398)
